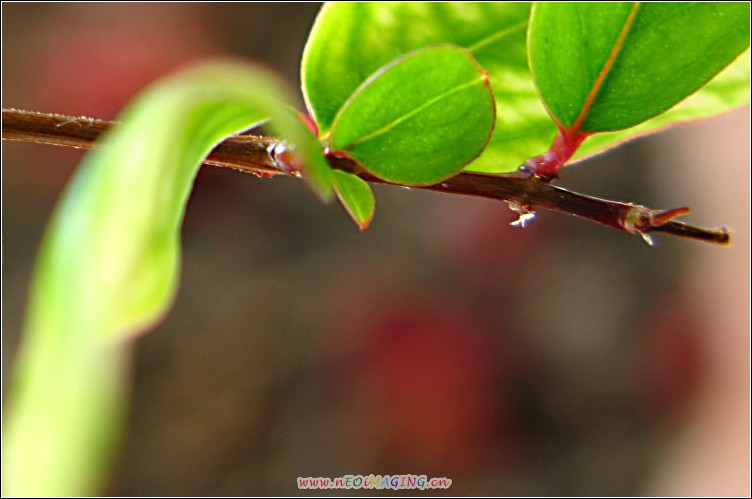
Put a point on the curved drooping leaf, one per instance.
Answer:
(349, 41)
(610, 66)
(108, 267)
(419, 119)
(356, 196)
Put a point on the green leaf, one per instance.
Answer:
(356, 196)
(419, 119)
(609, 66)
(109, 263)
(349, 41)
(727, 91)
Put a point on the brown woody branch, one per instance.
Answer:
(252, 154)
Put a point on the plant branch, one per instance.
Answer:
(255, 155)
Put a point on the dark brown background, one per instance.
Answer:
(563, 359)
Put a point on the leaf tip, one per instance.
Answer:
(356, 197)
(363, 226)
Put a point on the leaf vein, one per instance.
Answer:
(598, 83)
(497, 36)
(412, 113)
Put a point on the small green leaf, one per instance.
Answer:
(108, 267)
(419, 119)
(356, 196)
(609, 66)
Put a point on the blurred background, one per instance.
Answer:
(560, 359)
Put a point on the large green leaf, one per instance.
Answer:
(349, 41)
(109, 264)
(610, 66)
(419, 119)
(727, 91)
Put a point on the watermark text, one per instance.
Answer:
(375, 482)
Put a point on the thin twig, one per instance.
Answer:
(252, 154)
